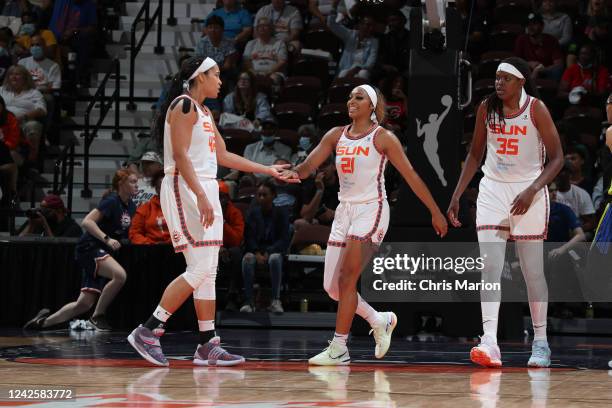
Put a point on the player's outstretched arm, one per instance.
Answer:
(318, 155)
(231, 160)
(472, 162)
(387, 143)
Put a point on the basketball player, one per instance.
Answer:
(518, 132)
(362, 217)
(190, 202)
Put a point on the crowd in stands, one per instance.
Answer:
(46, 50)
(287, 69)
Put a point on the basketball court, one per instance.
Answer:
(102, 370)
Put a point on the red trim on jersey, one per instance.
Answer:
(362, 135)
(520, 112)
(374, 139)
(179, 207)
(487, 227)
(544, 234)
(368, 236)
(336, 244)
(532, 111)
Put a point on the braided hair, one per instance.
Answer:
(495, 106)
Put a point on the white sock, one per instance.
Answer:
(531, 256)
(340, 339)
(493, 250)
(162, 314)
(369, 314)
(206, 325)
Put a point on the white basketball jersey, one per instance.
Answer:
(515, 151)
(360, 168)
(202, 150)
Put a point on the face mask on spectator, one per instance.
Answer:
(27, 29)
(267, 140)
(3, 52)
(37, 52)
(305, 143)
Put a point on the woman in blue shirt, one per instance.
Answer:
(102, 276)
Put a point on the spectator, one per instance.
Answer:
(213, 44)
(587, 77)
(597, 28)
(238, 22)
(320, 9)
(150, 164)
(564, 234)
(74, 25)
(360, 46)
(245, 101)
(576, 159)
(46, 74)
(287, 23)
(320, 196)
(540, 50)
(563, 226)
(266, 240)
(15, 8)
(145, 144)
(27, 104)
(576, 198)
(308, 140)
(394, 51)
(397, 103)
(230, 254)
(11, 153)
(556, 23)
(268, 149)
(265, 55)
(149, 225)
(102, 276)
(28, 30)
(50, 220)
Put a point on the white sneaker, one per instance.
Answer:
(247, 308)
(335, 354)
(276, 306)
(487, 353)
(382, 333)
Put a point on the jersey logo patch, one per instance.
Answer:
(176, 236)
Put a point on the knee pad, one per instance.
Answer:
(207, 289)
(199, 263)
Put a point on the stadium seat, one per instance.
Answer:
(489, 62)
(511, 12)
(236, 140)
(334, 114)
(322, 39)
(291, 115)
(482, 88)
(312, 66)
(341, 88)
(310, 234)
(304, 89)
(289, 137)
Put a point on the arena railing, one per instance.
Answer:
(144, 15)
(63, 174)
(91, 131)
